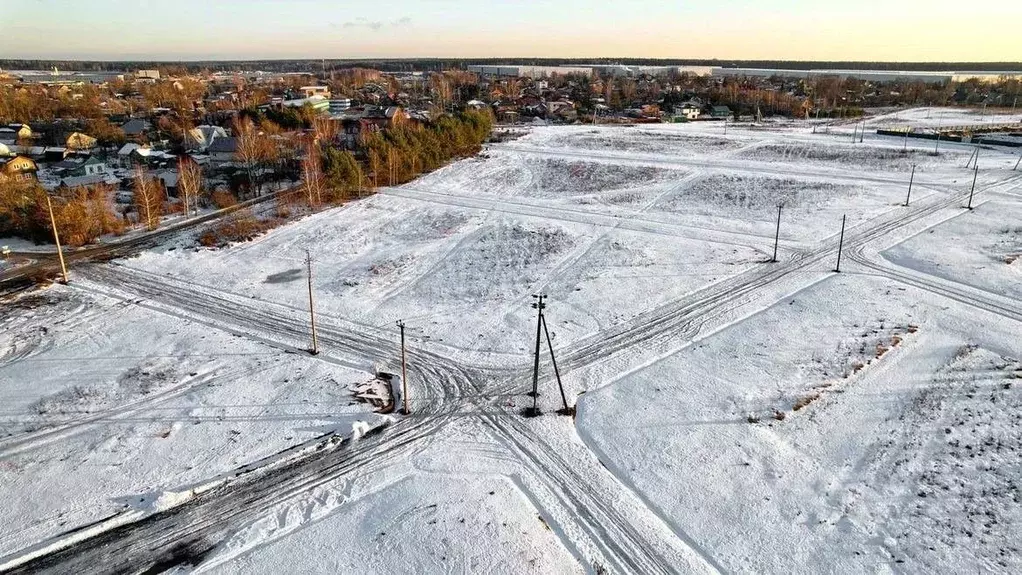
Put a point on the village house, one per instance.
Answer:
(18, 168)
(200, 138)
(90, 167)
(690, 110)
(168, 178)
(78, 141)
(13, 133)
(125, 158)
(136, 129)
(88, 181)
(719, 112)
(223, 151)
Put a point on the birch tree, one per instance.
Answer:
(312, 174)
(189, 182)
(148, 198)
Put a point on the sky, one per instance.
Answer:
(873, 30)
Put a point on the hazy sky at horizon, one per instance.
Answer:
(890, 30)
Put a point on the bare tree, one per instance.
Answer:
(312, 174)
(148, 198)
(251, 148)
(441, 89)
(189, 182)
(324, 129)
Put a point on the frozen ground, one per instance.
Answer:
(936, 117)
(882, 434)
(982, 248)
(107, 403)
(734, 415)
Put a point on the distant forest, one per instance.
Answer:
(400, 65)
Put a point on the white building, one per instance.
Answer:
(340, 105)
(528, 71)
(147, 75)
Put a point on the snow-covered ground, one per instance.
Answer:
(921, 118)
(876, 430)
(107, 403)
(981, 248)
(734, 415)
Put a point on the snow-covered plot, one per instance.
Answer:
(811, 208)
(853, 426)
(106, 401)
(734, 415)
(421, 523)
(923, 118)
(981, 248)
(870, 158)
(650, 140)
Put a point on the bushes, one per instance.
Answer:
(241, 226)
(222, 199)
(82, 214)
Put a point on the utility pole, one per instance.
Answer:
(904, 147)
(550, 345)
(777, 235)
(404, 369)
(840, 244)
(1018, 162)
(973, 156)
(975, 174)
(312, 310)
(56, 239)
(910, 180)
(539, 305)
(862, 134)
(855, 132)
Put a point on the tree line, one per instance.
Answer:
(328, 176)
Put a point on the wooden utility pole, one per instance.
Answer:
(56, 239)
(910, 180)
(312, 307)
(404, 369)
(862, 133)
(539, 305)
(777, 234)
(975, 174)
(557, 373)
(840, 244)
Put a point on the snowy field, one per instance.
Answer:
(107, 404)
(985, 246)
(920, 118)
(734, 414)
